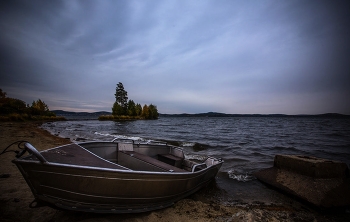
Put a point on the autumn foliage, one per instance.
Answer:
(12, 109)
(128, 109)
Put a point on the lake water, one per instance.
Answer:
(246, 144)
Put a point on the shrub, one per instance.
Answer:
(106, 117)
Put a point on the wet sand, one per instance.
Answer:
(223, 200)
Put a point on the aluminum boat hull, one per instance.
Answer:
(109, 190)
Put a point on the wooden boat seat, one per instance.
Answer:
(170, 159)
(74, 154)
(154, 161)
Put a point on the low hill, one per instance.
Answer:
(80, 115)
(216, 114)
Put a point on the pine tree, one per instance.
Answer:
(131, 108)
(138, 109)
(121, 98)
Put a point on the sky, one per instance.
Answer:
(234, 56)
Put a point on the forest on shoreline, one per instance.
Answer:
(12, 109)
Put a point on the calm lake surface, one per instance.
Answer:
(246, 144)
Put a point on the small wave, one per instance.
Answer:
(187, 144)
(102, 134)
(200, 158)
(135, 138)
(240, 177)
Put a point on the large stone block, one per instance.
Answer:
(324, 183)
(312, 166)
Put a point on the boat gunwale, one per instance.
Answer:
(110, 169)
(125, 170)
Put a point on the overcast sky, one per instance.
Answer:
(248, 56)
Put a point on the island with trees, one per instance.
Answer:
(124, 109)
(12, 109)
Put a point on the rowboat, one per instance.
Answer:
(113, 177)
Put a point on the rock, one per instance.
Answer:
(323, 183)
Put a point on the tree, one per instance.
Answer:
(150, 112)
(138, 109)
(131, 108)
(40, 105)
(153, 112)
(11, 105)
(121, 98)
(145, 112)
(2, 94)
(117, 109)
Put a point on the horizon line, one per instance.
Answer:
(218, 113)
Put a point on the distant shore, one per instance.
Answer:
(215, 114)
(15, 195)
(94, 115)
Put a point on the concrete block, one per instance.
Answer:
(323, 183)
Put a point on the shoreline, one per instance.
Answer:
(217, 202)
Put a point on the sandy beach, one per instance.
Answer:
(15, 195)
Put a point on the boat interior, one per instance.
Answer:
(124, 156)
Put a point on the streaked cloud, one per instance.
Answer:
(184, 56)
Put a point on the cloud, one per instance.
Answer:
(188, 56)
